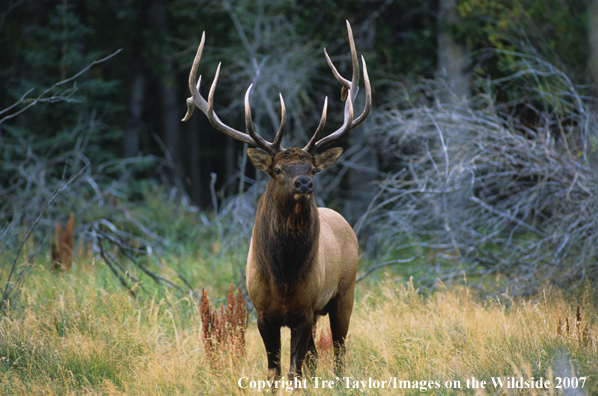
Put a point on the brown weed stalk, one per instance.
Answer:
(224, 332)
(324, 343)
(584, 334)
(63, 245)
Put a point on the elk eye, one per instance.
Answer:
(314, 171)
(277, 170)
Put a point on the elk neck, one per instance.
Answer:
(286, 233)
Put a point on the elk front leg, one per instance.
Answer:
(271, 337)
(301, 340)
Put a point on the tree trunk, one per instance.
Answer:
(593, 70)
(130, 138)
(170, 105)
(593, 43)
(231, 166)
(453, 63)
(171, 123)
(362, 181)
(194, 155)
(130, 142)
(593, 76)
(593, 40)
(453, 57)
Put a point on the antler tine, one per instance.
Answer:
(215, 121)
(348, 93)
(207, 107)
(344, 82)
(354, 83)
(368, 96)
(195, 99)
(283, 122)
(355, 64)
(260, 142)
(316, 135)
(339, 133)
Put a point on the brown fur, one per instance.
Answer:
(302, 259)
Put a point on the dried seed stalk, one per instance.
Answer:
(224, 332)
(324, 343)
(583, 334)
(64, 245)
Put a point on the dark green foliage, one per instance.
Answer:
(51, 40)
(37, 144)
(555, 29)
(52, 51)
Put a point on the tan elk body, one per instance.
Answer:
(302, 260)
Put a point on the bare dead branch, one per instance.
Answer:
(490, 192)
(63, 96)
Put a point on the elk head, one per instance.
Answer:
(292, 170)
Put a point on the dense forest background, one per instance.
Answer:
(135, 101)
(93, 94)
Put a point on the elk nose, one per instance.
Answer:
(304, 184)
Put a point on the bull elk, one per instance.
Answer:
(302, 259)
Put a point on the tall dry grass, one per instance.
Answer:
(77, 335)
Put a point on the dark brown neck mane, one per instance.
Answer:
(286, 236)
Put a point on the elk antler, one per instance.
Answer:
(349, 91)
(207, 107)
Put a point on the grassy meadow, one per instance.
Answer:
(80, 333)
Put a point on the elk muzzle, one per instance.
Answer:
(303, 186)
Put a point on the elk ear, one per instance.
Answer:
(260, 160)
(327, 158)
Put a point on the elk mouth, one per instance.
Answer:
(302, 196)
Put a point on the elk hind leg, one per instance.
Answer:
(312, 351)
(340, 317)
